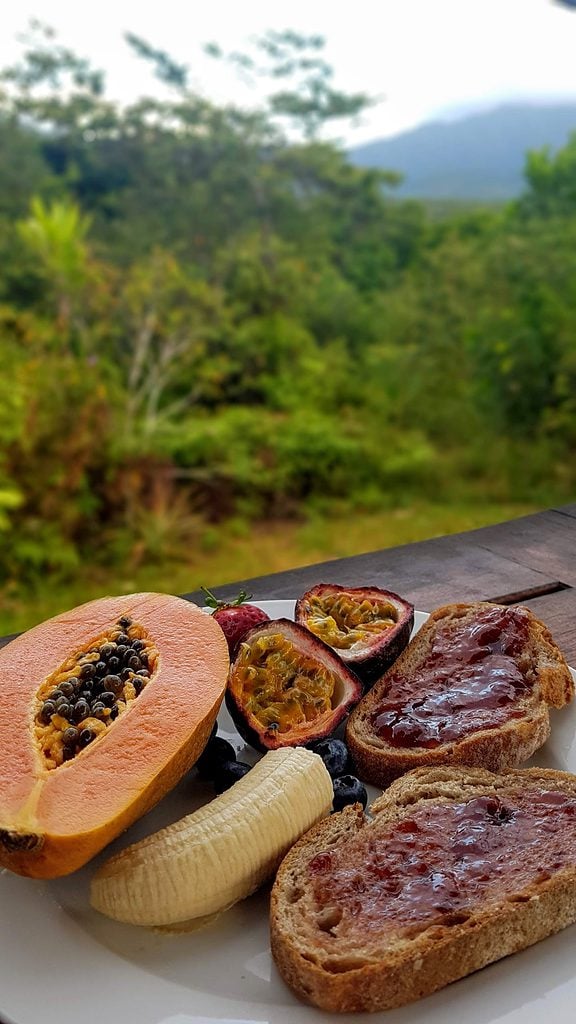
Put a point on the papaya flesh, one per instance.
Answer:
(60, 805)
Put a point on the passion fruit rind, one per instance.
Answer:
(367, 627)
(287, 688)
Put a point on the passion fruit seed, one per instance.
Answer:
(341, 622)
(281, 686)
(90, 693)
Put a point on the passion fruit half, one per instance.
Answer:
(366, 626)
(286, 687)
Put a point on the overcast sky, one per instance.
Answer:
(427, 58)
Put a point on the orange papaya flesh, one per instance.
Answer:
(54, 819)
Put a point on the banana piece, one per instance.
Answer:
(221, 853)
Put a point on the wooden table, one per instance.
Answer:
(531, 560)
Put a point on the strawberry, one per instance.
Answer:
(235, 618)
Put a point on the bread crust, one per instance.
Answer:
(439, 954)
(495, 749)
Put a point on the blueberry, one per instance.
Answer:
(227, 773)
(334, 753)
(216, 752)
(348, 790)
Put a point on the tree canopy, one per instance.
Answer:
(209, 312)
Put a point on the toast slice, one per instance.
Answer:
(458, 868)
(473, 687)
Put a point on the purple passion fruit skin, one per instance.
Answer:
(287, 688)
(367, 627)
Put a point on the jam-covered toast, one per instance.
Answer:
(473, 687)
(458, 868)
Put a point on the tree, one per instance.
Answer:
(56, 233)
(551, 179)
(310, 103)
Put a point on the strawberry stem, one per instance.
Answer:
(213, 602)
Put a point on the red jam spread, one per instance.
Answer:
(470, 680)
(445, 860)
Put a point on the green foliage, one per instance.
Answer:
(165, 68)
(552, 182)
(56, 235)
(202, 319)
(311, 102)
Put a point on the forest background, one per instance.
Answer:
(224, 349)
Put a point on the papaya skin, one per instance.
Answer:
(53, 821)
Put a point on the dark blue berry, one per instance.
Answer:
(334, 753)
(227, 773)
(216, 752)
(348, 790)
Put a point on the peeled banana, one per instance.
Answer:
(221, 853)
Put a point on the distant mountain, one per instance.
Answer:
(477, 157)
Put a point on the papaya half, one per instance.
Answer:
(102, 710)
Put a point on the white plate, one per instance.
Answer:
(62, 963)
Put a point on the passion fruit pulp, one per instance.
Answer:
(368, 627)
(287, 688)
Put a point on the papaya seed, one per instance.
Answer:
(102, 685)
